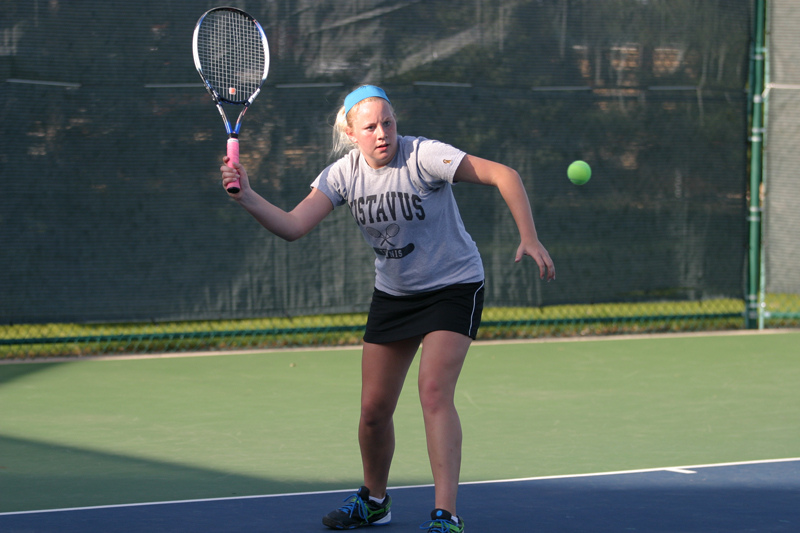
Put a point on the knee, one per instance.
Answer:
(434, 396)
(376, 413)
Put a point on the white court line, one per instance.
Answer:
(681, 469)
(640, 471)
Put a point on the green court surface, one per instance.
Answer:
(111, 431)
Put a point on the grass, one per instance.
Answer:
(72, 339)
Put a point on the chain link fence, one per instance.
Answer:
(780, 287)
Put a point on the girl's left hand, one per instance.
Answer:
(539, 254)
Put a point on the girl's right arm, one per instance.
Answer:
(290, 225)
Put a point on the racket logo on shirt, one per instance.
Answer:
(391, 231)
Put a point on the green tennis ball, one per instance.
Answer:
(579, 172)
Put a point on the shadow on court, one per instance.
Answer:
(761, 497)
(39, 475)
(12, 372)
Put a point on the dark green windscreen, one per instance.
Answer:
(112, 208)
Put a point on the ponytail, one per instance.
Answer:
(341, 142)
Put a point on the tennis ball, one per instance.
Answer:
(579, 172)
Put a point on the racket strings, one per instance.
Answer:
(231, 54)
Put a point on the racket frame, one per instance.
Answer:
(219, 96)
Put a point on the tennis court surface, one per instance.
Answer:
(672, 434)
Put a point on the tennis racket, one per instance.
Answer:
(231, 54)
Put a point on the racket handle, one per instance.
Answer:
(233, 155)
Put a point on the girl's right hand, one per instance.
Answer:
(231, 174)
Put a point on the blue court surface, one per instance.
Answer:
(734, 497)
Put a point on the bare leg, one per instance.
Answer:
(443, 354)
(383, 371)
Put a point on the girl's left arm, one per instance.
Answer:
(507, 180)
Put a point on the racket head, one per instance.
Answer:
(231, 54)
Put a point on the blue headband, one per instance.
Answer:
(362, 93)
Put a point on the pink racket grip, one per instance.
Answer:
(233, 155)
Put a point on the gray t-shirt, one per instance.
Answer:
(408, 215)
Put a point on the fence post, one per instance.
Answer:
(756, 91)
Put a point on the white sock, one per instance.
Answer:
(376, 500)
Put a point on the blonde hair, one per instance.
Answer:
(342, 123)
(341, 142)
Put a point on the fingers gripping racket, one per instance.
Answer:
(231, 54)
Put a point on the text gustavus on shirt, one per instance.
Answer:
(387, 207)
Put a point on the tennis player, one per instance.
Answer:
(429, 283)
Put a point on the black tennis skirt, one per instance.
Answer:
(453, 308)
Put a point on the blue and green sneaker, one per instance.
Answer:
(359, 511)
